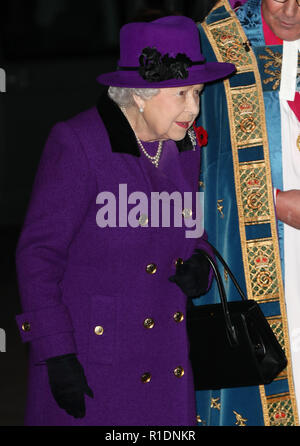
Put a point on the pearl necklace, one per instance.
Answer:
(155, 158)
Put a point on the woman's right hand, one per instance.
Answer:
(68, 384)
(192, 276)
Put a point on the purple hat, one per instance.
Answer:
(163, 53)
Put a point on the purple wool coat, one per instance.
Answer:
(103, 292)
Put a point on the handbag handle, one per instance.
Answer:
(230, 327)
(226, 267)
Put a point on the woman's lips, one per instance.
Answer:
(184, 125)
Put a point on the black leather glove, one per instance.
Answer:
(192, 275)
(68, 384)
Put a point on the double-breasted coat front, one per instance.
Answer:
(101, 290)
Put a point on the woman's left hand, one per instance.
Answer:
(192, 276)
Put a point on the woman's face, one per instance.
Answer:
(170, 113)
(282, 18)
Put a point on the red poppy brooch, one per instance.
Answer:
(201, 135)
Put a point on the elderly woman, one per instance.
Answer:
(102, 280)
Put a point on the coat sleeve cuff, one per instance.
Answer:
(50, 346)
(49, 330)
(44, 322)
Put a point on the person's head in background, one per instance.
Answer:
(283, 18)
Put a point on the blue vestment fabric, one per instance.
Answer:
(236, 406)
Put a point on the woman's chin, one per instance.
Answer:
(178, 135)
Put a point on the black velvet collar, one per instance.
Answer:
(121, 135)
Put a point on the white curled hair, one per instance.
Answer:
(124, 96)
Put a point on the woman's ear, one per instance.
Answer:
(139, 102)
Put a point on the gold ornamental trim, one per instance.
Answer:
(254, 194)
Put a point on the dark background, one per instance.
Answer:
(52, 51)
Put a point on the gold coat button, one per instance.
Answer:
(146, 378)
(143, 220)
(148, 322)
(178, 316)
(26, 326)
(178, 261)
(179, 372)
(151, 268)
(99, 330)
(187, 213)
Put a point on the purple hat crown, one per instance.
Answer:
(162, 53)
(169, 35)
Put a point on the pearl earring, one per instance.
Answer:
(141, 109)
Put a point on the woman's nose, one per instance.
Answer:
(193, 105)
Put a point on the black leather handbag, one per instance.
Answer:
(231, 343)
